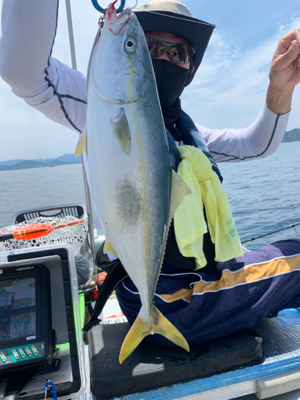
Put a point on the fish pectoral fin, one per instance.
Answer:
(82, 143)
(109, 247)
(121, 131)
(179, 190)
(158, 324)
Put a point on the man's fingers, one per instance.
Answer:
(287, 58)
(293, 35)
(286, 44)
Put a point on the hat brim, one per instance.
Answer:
(196, 32)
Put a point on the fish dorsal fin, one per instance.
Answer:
(179, 190)
(108, 247)
(82, 143)
(121, 131)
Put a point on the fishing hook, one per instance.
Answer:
(103, 10)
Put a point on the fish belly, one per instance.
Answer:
(131, 191)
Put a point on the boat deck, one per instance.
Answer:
(281, 342)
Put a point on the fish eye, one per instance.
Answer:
(130, 45)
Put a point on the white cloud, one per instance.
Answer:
(230, 87)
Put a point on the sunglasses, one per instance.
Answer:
(180, 53)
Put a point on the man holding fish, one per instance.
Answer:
(188, 280)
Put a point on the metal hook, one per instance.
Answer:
(103, 10)
(49, 382)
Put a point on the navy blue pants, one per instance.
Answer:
(216, 301)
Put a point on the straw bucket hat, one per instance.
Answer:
(174, 17)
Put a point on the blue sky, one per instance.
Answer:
(228, 91)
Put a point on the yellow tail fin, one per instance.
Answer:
(157, 324)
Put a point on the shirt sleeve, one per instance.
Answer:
(259, 140)
(53, 88)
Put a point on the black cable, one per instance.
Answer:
(267, 234)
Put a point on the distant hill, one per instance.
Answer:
(69, 159)
(292, 136)
(10, 165)
(65, 159)
(10, 162)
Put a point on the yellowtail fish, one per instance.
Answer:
(132, 184)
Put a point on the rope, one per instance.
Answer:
(267, 234)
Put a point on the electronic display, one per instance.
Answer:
(17, 308)
(25, 316)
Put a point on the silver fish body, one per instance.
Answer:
(130, 175)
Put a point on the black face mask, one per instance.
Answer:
(170, 80)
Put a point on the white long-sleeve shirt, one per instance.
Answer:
(53, 88)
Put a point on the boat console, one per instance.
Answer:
(25, 316)
(40, 323)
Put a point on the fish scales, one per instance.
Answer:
(128, 165)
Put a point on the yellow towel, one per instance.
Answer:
(196, 171)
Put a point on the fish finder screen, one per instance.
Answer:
(17, 308)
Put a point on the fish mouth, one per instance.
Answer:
(119, 24)
(112, 100)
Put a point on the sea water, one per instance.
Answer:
(264, 194)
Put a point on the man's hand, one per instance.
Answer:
(284, 73)
(285, 68)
